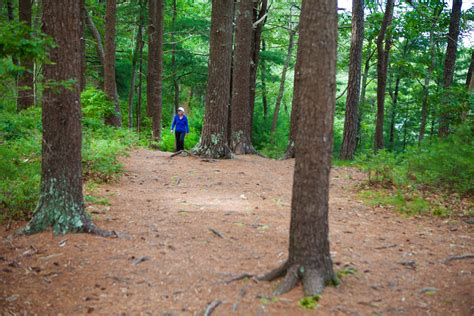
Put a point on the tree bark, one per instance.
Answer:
(382, 64)
(281, 90)
(259, 14)
(241, 118)
(263, 78)
(110, 86)
(83, 46)
(213, 142)
(449, 63)
(25, 79)
(349, 141)
(174, 68)
(136, 53)
(155, 66)
(61, 203)
(309, 258)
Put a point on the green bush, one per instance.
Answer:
(95, 104)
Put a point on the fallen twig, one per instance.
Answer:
(240, 277)
(140, 260)
(459, 257)
(183, 152)
(216, 232)
(211, 307)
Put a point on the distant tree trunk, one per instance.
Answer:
(362, 99)
(429, 73)
(110, 86)
(97, 37)
(213, 141)
(83, 46)
(241, 118)
(263, 78)
(259, 18)
(10, 13)
(309, 258)
(25, 79)
(449, 63)
(61, 204)
(349, 142)
(139, 91)
(281, 90)
(173, 58)
(469, 78)
(382, 64)
(393, 112)
(136, 53)
(155, 66)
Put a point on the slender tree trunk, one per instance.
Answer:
(136, 52)
(25, 79)
(213, 141)
(10, 13)
(429, 73)
(349, 141)
(110, 86)
(393, 112)
(362, 99)
(382, 64)
(97, 37)
(139, 91)
(61, 204)
(309, 259)
(241, 117)
(281, 90)
(260, 19)
(449, 63)
(263, 78)
(155, 66)
(174, 68)
(469, 78)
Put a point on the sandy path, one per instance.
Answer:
(165, 209)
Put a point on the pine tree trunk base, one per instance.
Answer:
(290, 152)
(213, 152)
(313, 280)
(244, 149)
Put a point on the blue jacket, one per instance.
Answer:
(180, 125)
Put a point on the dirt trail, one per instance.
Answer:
(168, 261)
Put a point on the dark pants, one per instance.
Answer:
(179, 140)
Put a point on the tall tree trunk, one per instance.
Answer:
(110, 86)
(349, 141)
(241, 118)
(382, 64)
(427, 80)
(309, 258)
(25, 79)
(393, 113)
(136, 53)
(263, 78)
(10, 13)
(258, 23)
(362, 99)
(155, 66)
(174, 68)
(281, 90)
(83, 46)
(213, 141)
(61, 202)
(449, 63)
(139, 91)
(97, 37)
(469, 78)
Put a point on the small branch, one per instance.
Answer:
(460, 257)
(240, 277)
(211, 307)
(216, 232)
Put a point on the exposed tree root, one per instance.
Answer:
(460, 257)
(211, 307)
(92, 229)
(240, 277)
(313, 281)
(183, 152)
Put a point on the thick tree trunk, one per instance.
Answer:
(213, 141)
(349, 141)
(259, 18)
(449, 63)
(110, 86)
(136, 53)
(382, 64)
(83, 46)
(281, 90)
(241, 118)
(309, 258)
(174, 68)
(263, 78)
(25, 79)
(155, 66)
(61, 203)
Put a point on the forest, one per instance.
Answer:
(327, 162)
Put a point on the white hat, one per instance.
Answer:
(181, 109)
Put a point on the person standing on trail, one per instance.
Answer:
(181, 128)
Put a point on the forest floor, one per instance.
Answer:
(189, 225)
